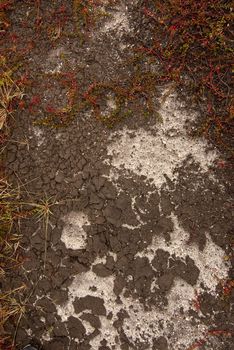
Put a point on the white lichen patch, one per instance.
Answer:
(111, 106)
(73, 234)
(117, 21)
(210, 261)
(54, 62)
(159, 152)
(174, 321)
(141, 325)
(37, 133)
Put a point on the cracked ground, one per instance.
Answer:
(136, 251)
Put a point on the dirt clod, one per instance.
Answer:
(75, 328)
(96, 305)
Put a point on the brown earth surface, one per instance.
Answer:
(137, 251)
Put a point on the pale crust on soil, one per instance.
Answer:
(139, 239)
